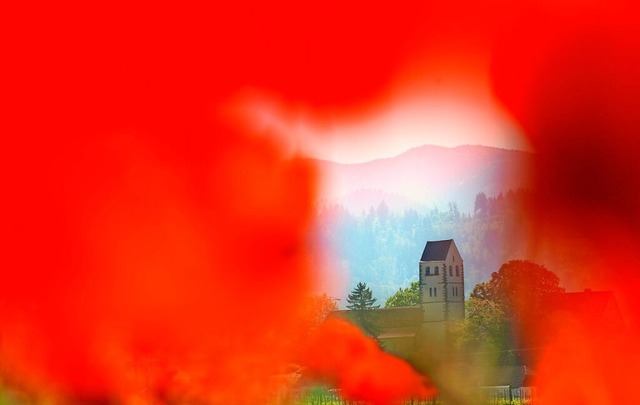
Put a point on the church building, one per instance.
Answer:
(441, 278)
(411, 332)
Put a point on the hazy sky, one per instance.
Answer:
(446, 121)
(446, 117)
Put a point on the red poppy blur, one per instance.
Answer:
(154, 245)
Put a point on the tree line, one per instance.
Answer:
(502, 315)
(384, 247)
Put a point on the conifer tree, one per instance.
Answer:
(361, 301)
(361, 298)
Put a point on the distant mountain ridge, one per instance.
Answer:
(424, 177)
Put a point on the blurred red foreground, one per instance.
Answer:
(155, 248)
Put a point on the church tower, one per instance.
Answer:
(441, 287)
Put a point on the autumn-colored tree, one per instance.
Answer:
(519, 287)
(522, 291)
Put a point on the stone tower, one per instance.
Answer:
(441, 288)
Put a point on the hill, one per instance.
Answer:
(425, 177)
(377, 215)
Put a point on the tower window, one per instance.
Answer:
(427, 271)
(450, 272)
(435, 291)
(435, 271)
(457, 271)
(430, 292)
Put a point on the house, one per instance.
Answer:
(398, 328)
(595, 311)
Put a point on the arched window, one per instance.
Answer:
(427, 271)
(435, 271)
(457, 271)
(450, 271)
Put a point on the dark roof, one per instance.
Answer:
(392, 322)
(591, 308)
(398, 317)
(436, 250)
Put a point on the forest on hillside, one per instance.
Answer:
(383, 248)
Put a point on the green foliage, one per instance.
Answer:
(480, 291)
(325, 396)
(520, 292)
(319, 396)
(361, 298)
(362, 302)
(383, 246)
(485, 327)
(405, 296)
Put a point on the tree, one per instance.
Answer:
(522, 291)
(519, 287)
(480, 205)
(361, 298)
(480, 291)
(405, 296)
(382, 212)
(317, 308)
(454, 213)
(312, 313)
(485, 329)
(361, 302)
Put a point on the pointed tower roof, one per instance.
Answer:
(436, 250)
